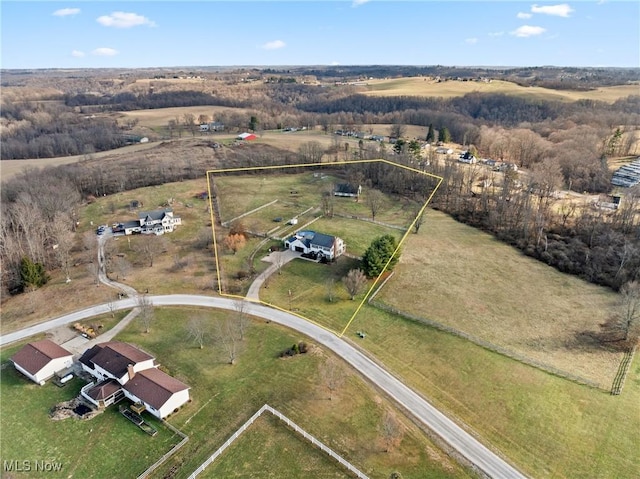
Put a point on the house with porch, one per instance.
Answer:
(41, 360)
(347, 190)
(322, 245)
(158, 221)
(124, 371)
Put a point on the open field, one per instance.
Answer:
(308, 283)
(548, 426)
(269, 445)
(100, 447)
(422, 86)
(489, 290)
(160, 116)
(225, 396)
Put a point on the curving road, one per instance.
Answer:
(467, 446)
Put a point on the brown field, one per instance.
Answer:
(474, 284)
(161, 116)
(423, 86)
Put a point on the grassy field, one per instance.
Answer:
(224, 397)
(100, 447)
(482, 287)
(421, 86)
(548, 426)
(160, 116)
(276, 449)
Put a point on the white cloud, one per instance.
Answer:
(528, 31)
(274, 45)
(124, 20)
(496, 34)
(471, 41)
(357, 3)
(561, 10)
(334, 63)
(77, 54)
(65, 12)
(104, 52)
(524, 15)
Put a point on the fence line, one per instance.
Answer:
(227, 223)
(175, 449)
(360, 218)
(490, 346)
(623, 369)
(290, 424)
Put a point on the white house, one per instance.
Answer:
(123, 370)
(322, 245)
(158, 221)
(40, 360)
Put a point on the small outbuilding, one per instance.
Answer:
(246, 136)
(41, 360)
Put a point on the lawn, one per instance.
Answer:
(99, 447)
(308, 283)
(224, 397)
(484, 288)
(547, 426)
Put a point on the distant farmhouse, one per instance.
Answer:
(156, 222)
(213, 126)
(41, 360)
(122, 370)
(348, 190)
(318, 244)
(627, 175)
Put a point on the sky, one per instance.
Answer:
(159, 33)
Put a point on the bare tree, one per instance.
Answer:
(151, 247)
(332, 375)
(62, 235)
(190, 122)
(375, 200)
(146, 311)
(203, 118)
(397, 129)
(311, 152)
(331, 288)
(197, 330)
(327, 200)
(242, 318)
(419, 220)
(279, 260)
(122, 266)
(391, 431)
(90, 246)
(630, 309)
(228, 337)
(354, 282)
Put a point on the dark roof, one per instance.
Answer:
(34, 356)
(346, 188)
(154, 215)
(154, 387)
(131, 224)
(321, 239)
(104, 389)
(113, 357)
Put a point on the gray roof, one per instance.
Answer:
(320, 239)
(346, 188)
(155, 214)
(627, 175)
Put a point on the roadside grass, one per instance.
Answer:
(102, 324)
(99, 447)
(225, 396)
(547, 426)
(420, 86)
(308, 283)
(482, 287)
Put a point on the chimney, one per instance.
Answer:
(130, 371)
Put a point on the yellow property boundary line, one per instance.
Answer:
(315, 165)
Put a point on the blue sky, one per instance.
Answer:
(156, 33)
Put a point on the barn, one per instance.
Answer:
(246, 136)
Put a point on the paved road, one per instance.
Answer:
(477, 454)
(277, 259)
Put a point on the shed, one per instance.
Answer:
(246, 136)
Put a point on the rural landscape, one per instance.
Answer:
(275, 271)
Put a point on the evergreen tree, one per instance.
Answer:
(444, 135)
(32, 274)
(253, 123)
(431, 135)
(376, 256)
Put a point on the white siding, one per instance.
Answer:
(175, 401)
(48, 370)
